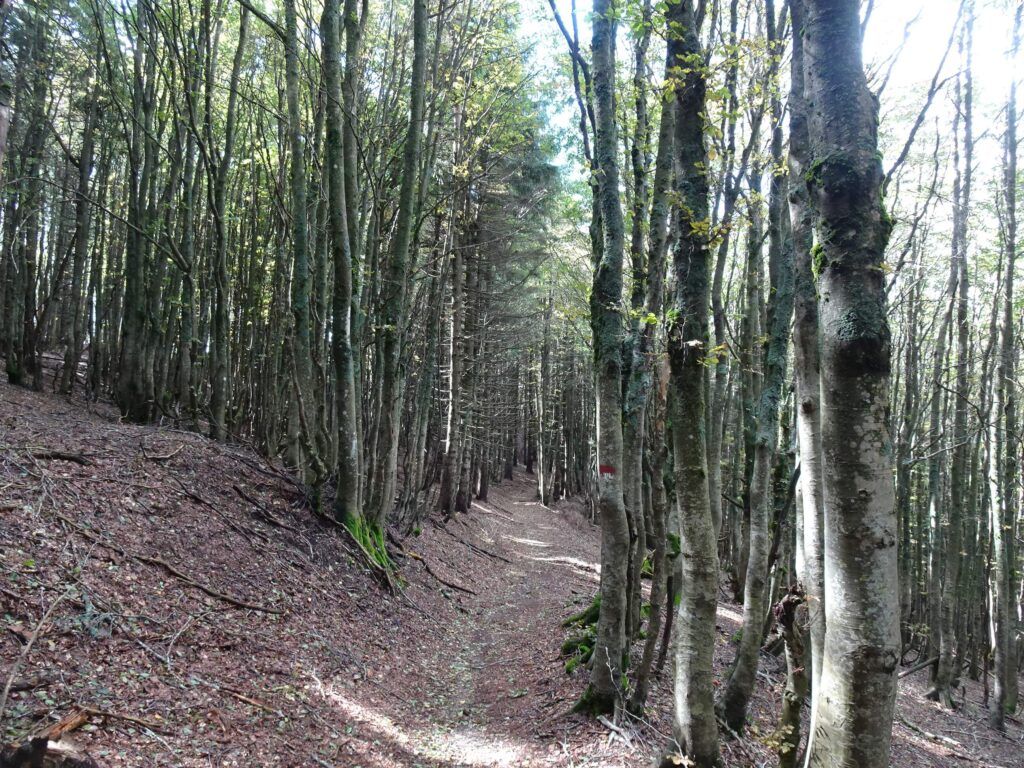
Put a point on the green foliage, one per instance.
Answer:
(370, 539)
(588, 616)
(674, 545)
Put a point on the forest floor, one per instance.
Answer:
(171, 601)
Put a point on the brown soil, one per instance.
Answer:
(198, 603)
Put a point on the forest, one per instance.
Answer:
(510, 383)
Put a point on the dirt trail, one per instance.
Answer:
(489, 689)
(217, 622)
(500, 656)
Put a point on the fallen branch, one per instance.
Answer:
(264, 514)
(615, 729)
(431, 571)
(917, 667)
(77, 458)
(945, 741)
(15, 596)
(70, 722)
(158, 457)
(108, 715)
(151, 724)
(31, 684)
(475, 548)
(241, 696)
(245, 532)
(203, 588)
(170, 569)
(737, 740)
(28, 648)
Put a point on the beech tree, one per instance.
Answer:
(862, 647)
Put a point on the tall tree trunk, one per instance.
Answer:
(637, 375)
(133, 397)
(218, 200)
(346, 497)
(1005, 446)
(645, 365)
(394, 311)
(740, 685)
(694, 726)
(806, 364)
(862, 643)
(83, 218)
(606, 323)
(952, 544)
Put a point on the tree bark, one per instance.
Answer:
(394, 310)
(858, 682)
(694, 726)
(806, 363)
(346, 497)
(1005, 445)
(606, 324)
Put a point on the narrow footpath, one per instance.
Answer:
(490, 688)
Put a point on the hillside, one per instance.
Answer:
(184, 608)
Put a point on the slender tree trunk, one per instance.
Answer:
(952, 544)
(806, 364)
(694, 726)
(646, 366)
(1005, 444)
(394, 310)
(740, 685)
(606, 323)
(787, 613)
(218, 198)
(346, 497)
(83, 219)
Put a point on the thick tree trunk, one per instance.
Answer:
(862, 644)
(132, 393)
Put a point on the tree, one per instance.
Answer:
(776, 349)
(395, 290)
(694, 726)
(858, 683)
(606, 324)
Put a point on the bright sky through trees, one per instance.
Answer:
(908, 36)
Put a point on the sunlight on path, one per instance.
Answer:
(486, 676)
(461, 747)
